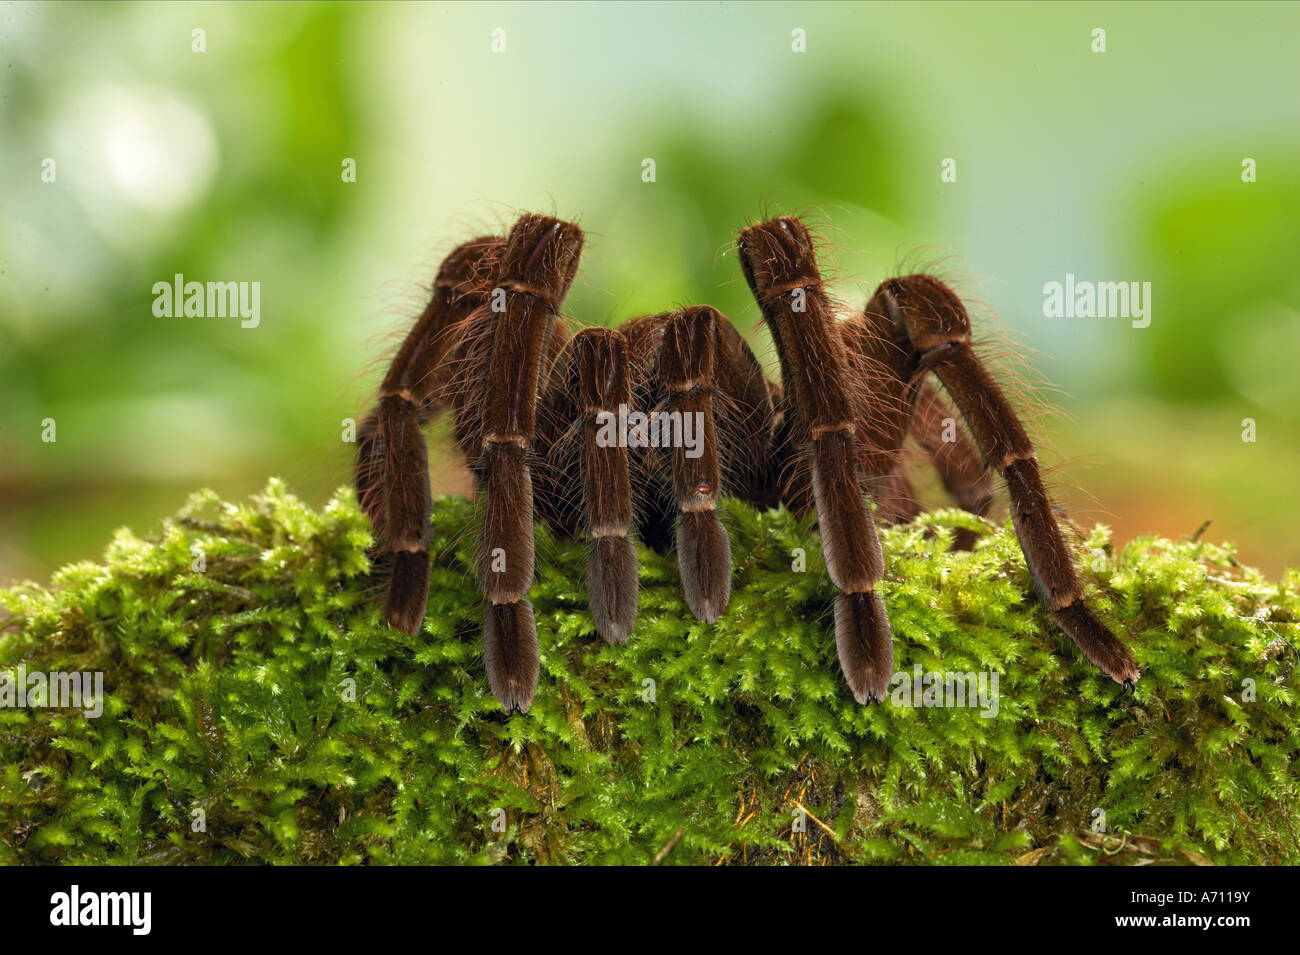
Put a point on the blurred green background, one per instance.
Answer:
(226, 165)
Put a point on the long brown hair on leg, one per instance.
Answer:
(903, 402)
(880, 374)
(780, 266)
(392, 475)
(686, 364)
(602, 384)
(537, 266)
(939, 330)
(964, 475)
(897, 402)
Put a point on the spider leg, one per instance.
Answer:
(939, 331)
(686, 365)
(602, 387)
(745, 421)
(896, 501)
(392, 474)
(960, 467)
(877, 362)
(537, 266)
(897, 401)
(779, 264)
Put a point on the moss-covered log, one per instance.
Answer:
(255, 709)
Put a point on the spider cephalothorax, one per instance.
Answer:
(533, 407)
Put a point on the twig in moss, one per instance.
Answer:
(829, 831)
(668, 847)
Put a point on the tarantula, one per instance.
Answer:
(530, 402)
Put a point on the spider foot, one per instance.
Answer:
(408, 591)
(1097, 642)
(612, 587)
(865, 644)
(704, 559)
(510, 654)
(1128, 690)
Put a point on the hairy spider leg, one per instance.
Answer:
(686, 365)
(898, 401)
(876, 362)
(961, 469)
(694, 366)
(392, 476)
(939, 331)
(779, 264)
(745, 419)
(603, 386)
(538, 264)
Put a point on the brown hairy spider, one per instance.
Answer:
(530, 401)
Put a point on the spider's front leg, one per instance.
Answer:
(778, 260)
(939, 332)
(538, 264)
(392, 474)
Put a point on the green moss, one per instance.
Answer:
(227, 691)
